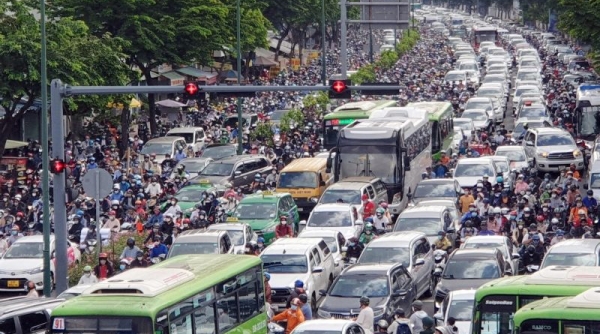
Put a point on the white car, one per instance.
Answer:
(466, 124)
(329, 326)
(458, 305)
(335, 241)
(480, 118)
(239, 233)
(469, 170)
(24, 261)
(74, 291)
(334, 216)
(455, 76)
(502, 243)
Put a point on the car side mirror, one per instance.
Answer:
(359, 222)
(516, 256)
(317, 270)
(303, 222)
(419, 262)
(529, 143)
(323, 292)
(400, 293)
(508, 272)
(237, 173)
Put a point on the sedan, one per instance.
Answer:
(192, 166)
(466, 124)
(516, 156)
(480, 119)
(328, 326)
(502, 243)
(239, 233)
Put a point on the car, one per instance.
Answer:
(334, 216)
(335, 241)
(516, 155)
(484, 103)
(458, 305)
(389, 286)
(248, 120)
(480, 117)
(328, 326)
(162, 146)
(263, 211)
(499, 79)
(573, 252)
(503, 165)
(24, 261)
(306, 259)
(411, 249)
(468, 269)
(429, 220)
(459, 136)
(188, 196)
(240, 233)
(350, 190)
(427, 190)
(219, 151)
(533, 111)
(276, 116)
(466, 124)
(192, 166)
(450, 204)
(237, 171)
(502, 243)
(454, 77)
(201, 241)
(531, 124)
(73, 291)
(552, 149)
(194, 136)
(26, 315)
(469, 170)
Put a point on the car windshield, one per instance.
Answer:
(156, 148)
(237, 236)
(512, 155)
(467, 67)
(185, 248)
(532, 112)
(284, 263)
(298, 180)
(217, 169)
(427, 225)
(461, 310)
(523, 76)
(555, 140)
(463, 124)
(570, 259)
(475, 116)
(424, 190)
(479, 170)
(386, 255)
(25, 250)
(497, 52)
(469, 268)
(595, 180)
(361, 285)
(330, 219)
(347, 196)
(256, 211)
(532, 125)
(520, 91)
(471, 104)
(218, 152)
(455, 77)
(502, 165)
(189, 137)
(192, 166)
(485, 245)
(487, 92)
(492, 79)
(189, 195)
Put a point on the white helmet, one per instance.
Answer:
(116, 187)
(114, 202)
(497, 211)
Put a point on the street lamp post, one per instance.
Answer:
(323, 61)
(240, 148)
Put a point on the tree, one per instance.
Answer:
(291, 120)
(581, 20)
(156, 31)
(74, 56)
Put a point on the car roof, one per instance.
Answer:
(482, 239)
(479, 98)
(187, 129)
(16, 304)
(477, 110)
(475, 253)
(437, 181)
(543, 131)
(365, 179)
(462, 294)
(347, 185)
(38, 238)
(261, 198)
(370, 268)
(319, 233)
(332, 207)
(328, 325)
(474, 161)
(429, 211)
(236, 158)
(436, 202)
(291, 246)
(199, 235)
(395, 239)
(227, 226)
(576, 246)
(509, 148)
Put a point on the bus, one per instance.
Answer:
(208, 293)
(587, 112)
(441, 116)
(396, 150)
(484, 34)
(346, 114)
(497, 301)
(566, 315)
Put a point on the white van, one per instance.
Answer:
(194, 136)
(162, 146)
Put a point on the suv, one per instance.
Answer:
(163, 146)
(552, 149)
(351, 189)
(201, 242)
(411, 249)
(334, 216)
(194, 136)
(429, 220)
(306, 259)
(434, 189)
(389, 287)
(219, 151)
(239, 171)
(26, 315)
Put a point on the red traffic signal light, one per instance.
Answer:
(339, 89)
(57, 166)
(191, 90)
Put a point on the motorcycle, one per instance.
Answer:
(439, 256)
(274, 328)
(532, 268)
(349, 261)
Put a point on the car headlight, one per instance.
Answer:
(411, 204)
(543, 154)
(36, 270)
(378, 312)
(576, 153)
(323, 314)
(314, 199)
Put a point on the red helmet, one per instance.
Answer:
(20, 214)
(283, 217)
(365, 197)
(540, 218)
(103, 256)
(186, 221)
(384, 205)
(112, 213)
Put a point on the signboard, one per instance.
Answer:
(539, 325)
(295, 63)
(274, 71)
(397, 11)
(499, 304)
(177, 82)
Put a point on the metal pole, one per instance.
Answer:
(370, 44)
(343, 46)
(98, 234)
(412, 14)
(60, 210)
(395, 38)
(240, 149)
(45, 158)
(323, 47)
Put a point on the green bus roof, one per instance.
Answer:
(435, 109)
(551, 281)
(584, 306)
(358, 110)
(208, 270)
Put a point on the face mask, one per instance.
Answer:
(18, 218)
(14, 232)
(294, 307)
(122, 267)
(140, 258)
(474, 214)
(545, 209)
(173, 202)
(520, 227)
(352, 244)
(440, 237)
(554, 195)
(102, 261)
(578, 205)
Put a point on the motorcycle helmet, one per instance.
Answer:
(130, 242)
(590, 192)
(103, 256)
(380, 211)
(364, 300)
(497, 211)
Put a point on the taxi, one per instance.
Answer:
(188, 196)
(262, 212)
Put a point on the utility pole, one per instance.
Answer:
(323, 47)
(240, 148)
(343, 46)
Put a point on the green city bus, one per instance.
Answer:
(441, 116)
(565, 315)
(497, 301)
(208, 293)
(346, 114)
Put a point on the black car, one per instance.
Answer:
(469, 269)
(389, 286)
(237, 171)
(434, 189)
(219, 151)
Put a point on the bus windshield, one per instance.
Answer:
(378, 161)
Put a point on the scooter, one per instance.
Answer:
(439, 256)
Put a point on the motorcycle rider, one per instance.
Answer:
(104, 268)
(367, 235)
(380, 221)
(159, 248)
(368, 207)
(354, 249)
(589, 201)
(283, 230)
(167, 230)
(139, 261)
(14, 235)
(131, 250)
(260, 244)
(112, 222)
(75, 229)
(560, 236)
(442, 241)
(88, 277)
(172, 208)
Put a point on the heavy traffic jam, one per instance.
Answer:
(466, 204)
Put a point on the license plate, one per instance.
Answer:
(13, 284)
(300, 209)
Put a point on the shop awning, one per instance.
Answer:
(194, 72)
(12, 144)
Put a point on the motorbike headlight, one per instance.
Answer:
(323, 314)
(36, 270)
(576, 153)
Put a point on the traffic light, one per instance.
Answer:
(340, 89)
(191, 90)
(57, 166)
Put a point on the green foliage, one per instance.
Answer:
(581, 20)
(263, 132)
(291, 120)
(317, 101)
(388, 59)
(364, 74)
